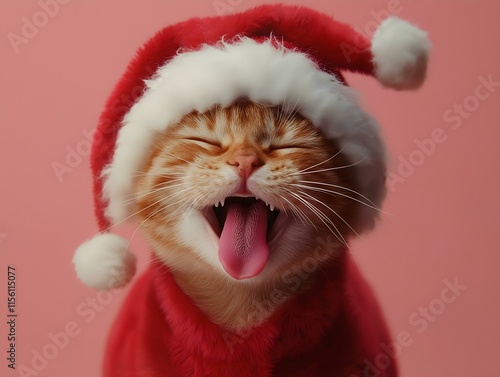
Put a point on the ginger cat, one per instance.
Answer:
(234, 198)
(248, 210)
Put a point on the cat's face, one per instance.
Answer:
(245, 191)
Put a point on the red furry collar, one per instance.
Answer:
(160, 332)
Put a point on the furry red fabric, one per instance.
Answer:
(323, 38)
(333, 329)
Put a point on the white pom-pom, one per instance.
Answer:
(400, 53)
(104, 262)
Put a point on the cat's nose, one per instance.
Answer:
(246, 161)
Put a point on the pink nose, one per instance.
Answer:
(246, 161)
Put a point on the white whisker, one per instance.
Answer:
(154, 190)
(331, 192)
(324, 219)
(331, 209)
(340, 187)
(298, 212)
(327, 169)
(321, 163)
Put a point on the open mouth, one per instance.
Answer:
(221, 210)
(245, 226)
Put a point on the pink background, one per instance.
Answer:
(445, 218)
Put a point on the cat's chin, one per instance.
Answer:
(244, 230)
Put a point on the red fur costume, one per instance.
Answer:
(333, 329)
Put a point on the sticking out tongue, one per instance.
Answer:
(243, 248)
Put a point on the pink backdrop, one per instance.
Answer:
(443, 191)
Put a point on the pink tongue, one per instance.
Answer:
(243, 248)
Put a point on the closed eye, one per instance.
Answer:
(286, 146)
(205, 141)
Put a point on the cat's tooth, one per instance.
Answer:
(217, 204)
(271, 206)
(222, 202)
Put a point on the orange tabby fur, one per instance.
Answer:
(189, 169)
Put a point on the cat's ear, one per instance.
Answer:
(104, 262)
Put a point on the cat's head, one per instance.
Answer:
(164, 148)
(247, 191)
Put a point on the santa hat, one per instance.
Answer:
(283, 55)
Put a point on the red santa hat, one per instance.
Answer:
(283, 55)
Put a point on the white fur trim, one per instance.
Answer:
(104, 262)
(400, 53)
(261, 72)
